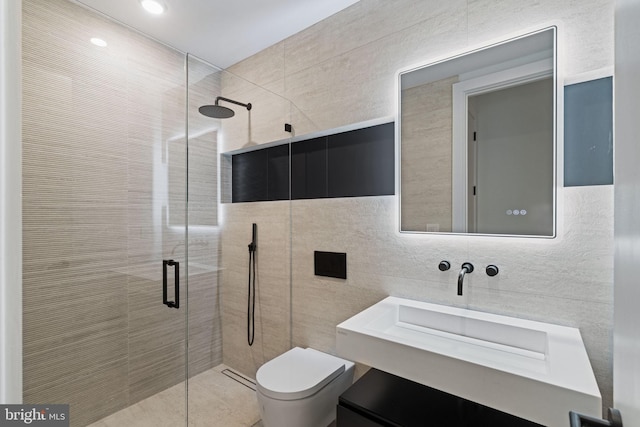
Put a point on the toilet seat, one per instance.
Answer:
(297, 374)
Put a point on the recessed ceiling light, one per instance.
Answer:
(153, 6)
(98, 42)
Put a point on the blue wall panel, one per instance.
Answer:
(588, 133)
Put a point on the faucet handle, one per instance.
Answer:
(492, 270)
(444, 265)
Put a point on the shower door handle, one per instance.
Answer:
(171, 263)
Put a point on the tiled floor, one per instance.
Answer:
(214, 400)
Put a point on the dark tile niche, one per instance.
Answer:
(346, 164)
(361, 162)
(260, 175)
(309, 169)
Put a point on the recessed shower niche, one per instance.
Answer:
(352, 161)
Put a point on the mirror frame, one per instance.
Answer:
(557, 125)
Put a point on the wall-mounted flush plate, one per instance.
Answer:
(330, 264)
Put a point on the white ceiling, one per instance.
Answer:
(221, 32)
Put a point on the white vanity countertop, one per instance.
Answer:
(534, 370)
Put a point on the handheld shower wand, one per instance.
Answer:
(251, 295)
(252, 245)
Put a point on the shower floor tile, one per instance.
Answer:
(214, 400)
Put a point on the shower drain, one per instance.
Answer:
(247, 382)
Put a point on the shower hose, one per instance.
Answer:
(251, 294)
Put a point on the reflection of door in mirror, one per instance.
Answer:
(472, 177)
(507, 104)
(514, 160)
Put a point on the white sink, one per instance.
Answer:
(537, 371)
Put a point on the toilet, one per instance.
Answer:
(300, 388)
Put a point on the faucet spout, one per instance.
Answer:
(467, 267)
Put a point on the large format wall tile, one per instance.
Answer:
(586, 32)
(366, 22)
(263, 123)
(272, 310)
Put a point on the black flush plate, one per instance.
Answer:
(330, 264)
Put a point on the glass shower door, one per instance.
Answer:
(157, 240)
(203, 248)
(104, 152)
(254, 316)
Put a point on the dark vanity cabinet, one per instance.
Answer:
(382, 399)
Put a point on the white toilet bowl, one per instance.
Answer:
(300, 388)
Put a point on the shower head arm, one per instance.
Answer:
(221, 98)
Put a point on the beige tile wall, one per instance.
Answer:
(273, 289)
(342, 71)
(104, 148)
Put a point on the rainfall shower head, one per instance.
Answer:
(218, 111)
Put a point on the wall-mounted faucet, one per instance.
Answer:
(467, 267)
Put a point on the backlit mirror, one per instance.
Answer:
(476, 140)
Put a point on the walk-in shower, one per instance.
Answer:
(120, 172)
